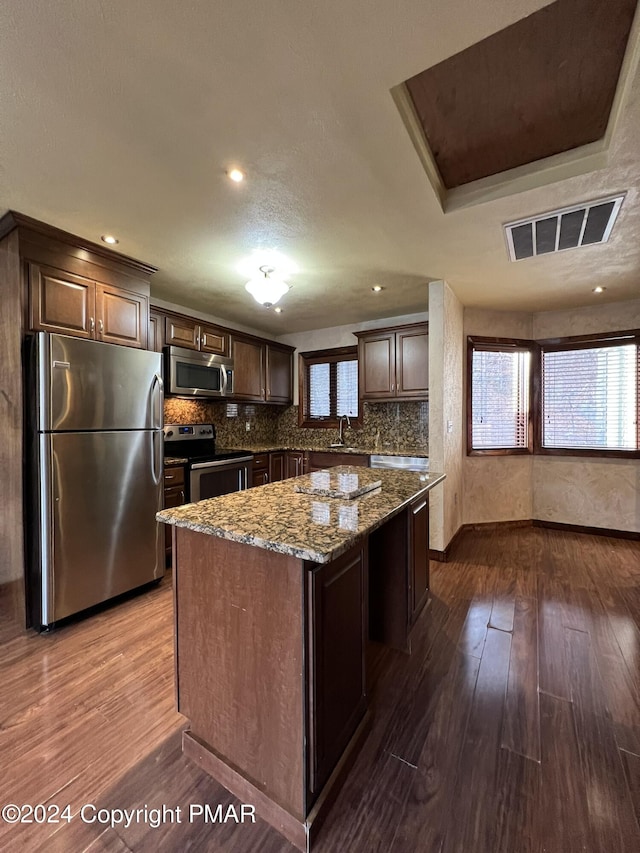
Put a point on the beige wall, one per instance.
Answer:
(496, 488)
(446, 349)
(587, 491)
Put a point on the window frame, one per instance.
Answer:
(489, 344)
(578, 342)
(305, 359)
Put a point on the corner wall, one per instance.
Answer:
(496, 488)
(580, 490)
(584, 490)
(446, 376)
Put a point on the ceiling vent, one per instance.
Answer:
(580, 225)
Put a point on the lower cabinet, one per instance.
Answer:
(260, 469)
(277, 466)
(294, 463)
(399, 574)
(336, 651)
(418, 557)
(174, 495)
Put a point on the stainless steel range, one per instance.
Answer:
(210, 472)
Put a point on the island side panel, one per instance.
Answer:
(240, 664)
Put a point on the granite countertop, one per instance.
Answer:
(278, 518)
(175, 460)
(323, 448)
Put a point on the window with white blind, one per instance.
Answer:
(328, 387)
(589, 395)
(499, 395)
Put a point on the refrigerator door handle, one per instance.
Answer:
(156, 452)
(157, 411)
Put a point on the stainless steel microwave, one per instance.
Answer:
(197, 374)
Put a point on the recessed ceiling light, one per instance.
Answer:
(377, 288)
(236, 175)
(110, 239)
(599, 289)
(278, 309)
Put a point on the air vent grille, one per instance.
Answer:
(580, 225)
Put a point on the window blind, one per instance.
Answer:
(332, 388)
(347, 388)
(590, 397)
(319, 390)
(500, 399)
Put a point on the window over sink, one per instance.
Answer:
(328, 387)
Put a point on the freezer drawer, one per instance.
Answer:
(99, 493)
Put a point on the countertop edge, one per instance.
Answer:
(308, 555)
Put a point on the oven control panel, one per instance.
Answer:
(182, 432)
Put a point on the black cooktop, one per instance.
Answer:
(210, 457)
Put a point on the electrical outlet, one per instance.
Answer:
(247, 426)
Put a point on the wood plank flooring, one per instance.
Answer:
(514, 725)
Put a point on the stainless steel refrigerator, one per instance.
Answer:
(95, 473)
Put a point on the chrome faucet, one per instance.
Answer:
(341, 421)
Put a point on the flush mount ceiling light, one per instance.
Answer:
(110, 239)
(278, 309)
(236, 175)
(268, 288)
(377, 288)
(599, 289)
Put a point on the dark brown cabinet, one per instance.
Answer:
(399, 574)
(60, 301)
(248, 369)
(174, 495)
(393, 363)
(418, 554)
(276, 466)
(294, 463)
(263, 372)
(189, 333)
(156, 329)
(319, 460)
(279, 372)
(260, 469)
(336, 646)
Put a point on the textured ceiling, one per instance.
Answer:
(122, 118)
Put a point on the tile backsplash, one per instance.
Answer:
(384, 425)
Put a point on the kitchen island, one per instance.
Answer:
(277, 594)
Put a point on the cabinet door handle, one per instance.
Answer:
(92, 324)
(393, 386)
(100, 326)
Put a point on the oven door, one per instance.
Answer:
(212, 479)
(195, 374)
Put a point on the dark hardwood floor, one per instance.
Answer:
(514, 726)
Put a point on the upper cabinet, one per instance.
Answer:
(248, 369)
(78, 288)
(279, 374)
(69, 304)
(190, 333)
(156, 329)
(262, 370)
(393, 363)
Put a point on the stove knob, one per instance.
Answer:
(169, 433)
